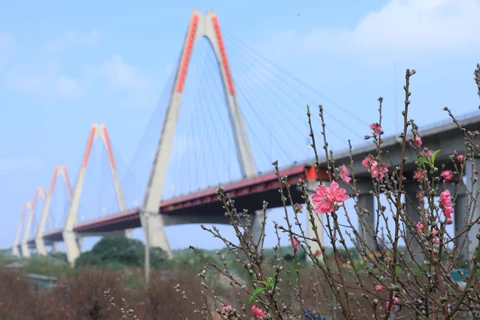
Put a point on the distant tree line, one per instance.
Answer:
(117, 252)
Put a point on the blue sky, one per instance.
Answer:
(64, 66)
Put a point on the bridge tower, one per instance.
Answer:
(70, 238)
(39, 242)
(200, 26)
(16, 242)
(26, 233)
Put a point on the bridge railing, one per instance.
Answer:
(426, 130)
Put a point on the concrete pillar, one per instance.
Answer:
(411, 205)
(460, 219)
(15, 251)
(474, 211)
(79, 243)
(366, 214)
(54, 247)
(16, 241)
(128, 233)
(39, 243)
(256, 221)
(26, 234)
(318, 219)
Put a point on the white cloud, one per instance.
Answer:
(43, 79)
(71, 39)
(429, 25)
(6, 45)
(118, 75)
(47, 80)
(9, 165)
(400, 28)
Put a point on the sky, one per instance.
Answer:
(64, 66)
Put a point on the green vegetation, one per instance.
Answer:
(118, 252)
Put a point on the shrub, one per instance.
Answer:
(118, 252)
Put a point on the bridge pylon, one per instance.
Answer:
(26, 233)
(39, 242)
(16, 242)
(71, 239)
(200, 26)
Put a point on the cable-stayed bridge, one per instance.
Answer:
(210, 128)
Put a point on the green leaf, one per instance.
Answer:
(255, 294)
(423, 160)
(269, 282)
(434, 156)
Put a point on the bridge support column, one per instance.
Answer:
(366, 214)
(54, 247)
(25, 250)
(71, 246)
(318, 219)
(154, 228)
(128, 233)
(471, 166)
(16, 241)
(460, 219)
(411, 205)
(256, 221)
(40, 245)
(26, 233)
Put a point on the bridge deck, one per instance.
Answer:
(248, 193)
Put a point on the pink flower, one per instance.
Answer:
(378, 171)
(376, 127)
(447, 175)
(420, 226)
(298, 208)
(447, 212)
(318, 253)
(226, 309)
(395, 300)
(446, 204)
(378, 287)
(427, 152)
(257, 312)
(369, 161)
(416, 142)
(295, 243)
(344, 174)
(449, 221)
(445, 198)
(324, 197)
(460, 158)
(419, 175)
(336, 193)
(321, 200)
